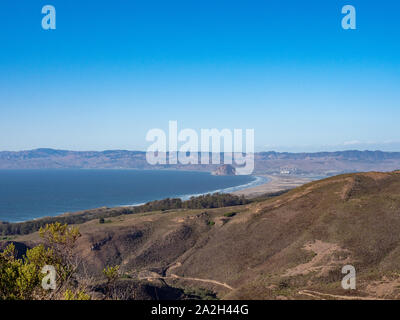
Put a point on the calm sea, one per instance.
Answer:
(30, 194)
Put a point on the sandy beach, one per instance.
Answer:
(276, 183)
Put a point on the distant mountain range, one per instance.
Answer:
(319, 163)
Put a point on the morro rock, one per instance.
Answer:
(225, 170)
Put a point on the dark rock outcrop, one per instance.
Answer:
(225, 170)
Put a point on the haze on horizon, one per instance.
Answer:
(112, 71)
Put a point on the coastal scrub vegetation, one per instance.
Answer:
(28, 277)
(23, 278)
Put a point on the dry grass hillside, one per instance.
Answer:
(288, 247)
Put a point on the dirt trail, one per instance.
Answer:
(318, 295)
(324, 252)
(174, 276)
(174, 266)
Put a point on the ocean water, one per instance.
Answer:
(30, 194)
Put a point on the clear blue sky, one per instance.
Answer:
(112, 70)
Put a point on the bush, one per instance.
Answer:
(112, 275)
(21, 279)
(229, 214)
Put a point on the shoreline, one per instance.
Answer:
(258, 181)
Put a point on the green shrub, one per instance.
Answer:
(229, 214)
(21, 279)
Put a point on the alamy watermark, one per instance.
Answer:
(49, 20)
(349, 20)
(199, 148)
(349, 280)
(49, 280)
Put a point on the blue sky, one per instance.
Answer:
(112, 70)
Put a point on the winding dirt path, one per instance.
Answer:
(174, 266)
(318, 295)
(174, 276)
